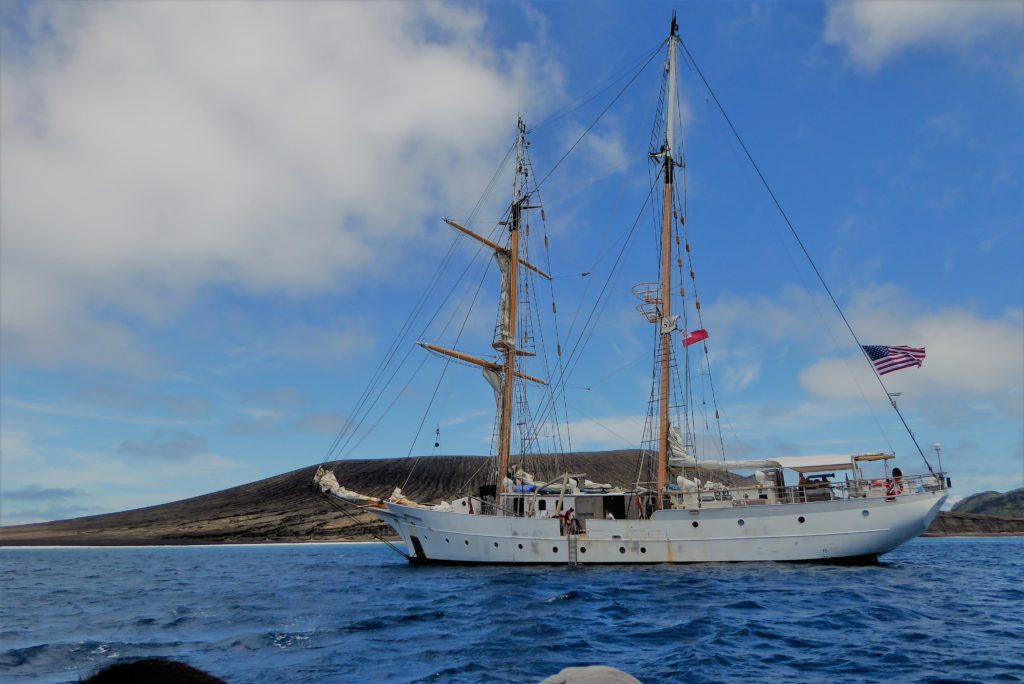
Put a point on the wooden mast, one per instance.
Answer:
(508, 335)
(667, 322)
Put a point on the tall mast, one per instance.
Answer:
(509, 342)
(667, 321)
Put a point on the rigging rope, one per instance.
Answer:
(599, 116)
(803, 248)
(339, 505)
(597, 90)
(361, 411)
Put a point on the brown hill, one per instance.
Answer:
(286, 508)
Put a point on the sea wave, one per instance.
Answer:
(934, 610)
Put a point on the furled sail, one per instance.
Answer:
(505, 333)
(736, 465)
(494, 379)
(679, 457)
(328, 484)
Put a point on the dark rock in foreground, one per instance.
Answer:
(286, 508)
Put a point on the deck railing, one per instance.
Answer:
(846, 489)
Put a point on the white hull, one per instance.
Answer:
(837, 529)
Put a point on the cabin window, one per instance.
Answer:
(542, 505)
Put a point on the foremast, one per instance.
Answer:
(507, 340)
(667, 321)
(509, 260)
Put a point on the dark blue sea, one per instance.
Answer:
(936, 610)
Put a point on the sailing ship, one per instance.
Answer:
(679, 508)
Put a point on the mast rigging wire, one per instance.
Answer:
(599, 116)
(803, 248)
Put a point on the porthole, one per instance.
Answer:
(495, 544)
(643, 549)
(466, 542)
(740, 522)
(622, 549)
(865, 513)
(520, 546)
(583, 549)
(800, 519)
(463, 503)
(447, 540)
(554, 549)
(695, 523)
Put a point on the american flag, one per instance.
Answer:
(889, 359)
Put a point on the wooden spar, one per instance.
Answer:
(477, 361)
(508, 389)
(496, 247)
(666, 276)
(666, 333)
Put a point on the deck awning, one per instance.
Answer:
(873, 457)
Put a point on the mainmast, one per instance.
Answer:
(667, 320)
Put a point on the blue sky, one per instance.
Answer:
(215, 218)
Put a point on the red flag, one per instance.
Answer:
(695, 337)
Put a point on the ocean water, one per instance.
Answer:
(935, 610)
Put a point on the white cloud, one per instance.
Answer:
(875, 31)
(154, 149)
(969, 355)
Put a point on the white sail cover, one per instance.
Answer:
(493, 379)
(681, 458)
(328, 484)
(735, 465)
(503, 263)
(678, 457)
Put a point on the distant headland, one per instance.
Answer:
(285, 508)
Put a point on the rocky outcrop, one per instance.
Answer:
(954, 524)
(1007, 505)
